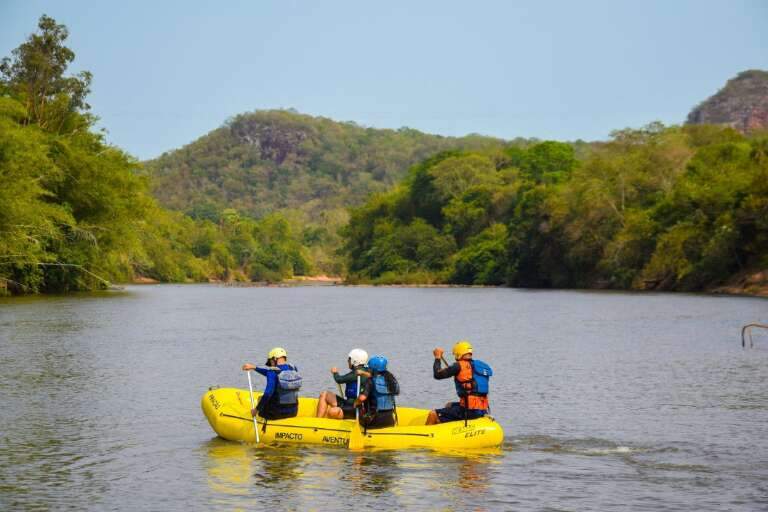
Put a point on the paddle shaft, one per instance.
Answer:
(253, 406)
(355, 435)
(357, 409)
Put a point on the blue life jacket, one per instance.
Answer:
(288, 384)
(383, 396)
(479, 383)
(350, 388)
(481, 372)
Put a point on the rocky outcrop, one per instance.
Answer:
(275, 141)
(742, 103)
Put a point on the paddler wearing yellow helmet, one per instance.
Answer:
(470, 377)
(281, 393)
(331, 405)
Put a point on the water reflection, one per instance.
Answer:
(278, 467)
(229, 467)
(372, 473)
(473, 476)
(320, 477)
(235, 469)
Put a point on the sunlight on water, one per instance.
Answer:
(311, 475)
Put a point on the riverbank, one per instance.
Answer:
(753, 283)
(750, 284)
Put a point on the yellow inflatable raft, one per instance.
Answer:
(228, 412)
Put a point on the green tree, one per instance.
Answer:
(483, 260)
(549, 161)
(454, 176)
(35, 75)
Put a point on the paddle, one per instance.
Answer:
(356, 435)
(253, 406)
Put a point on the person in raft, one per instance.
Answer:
(281, 394)
(377, 397)
(470, 377)
(331, 405)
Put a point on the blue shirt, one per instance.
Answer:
(270, 372)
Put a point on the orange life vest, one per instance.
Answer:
(465, 388)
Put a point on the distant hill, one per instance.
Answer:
(273, 160)
(742, 103)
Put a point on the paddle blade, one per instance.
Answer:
(356, 439)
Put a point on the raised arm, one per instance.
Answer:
(443, 373)
(263, 370)
(344, 379)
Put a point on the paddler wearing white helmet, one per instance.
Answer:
(331, 405)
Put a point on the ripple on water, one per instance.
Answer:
(610, 401)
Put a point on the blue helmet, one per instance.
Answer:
(377, 363)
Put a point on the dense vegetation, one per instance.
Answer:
(309, 169)
(265, 197)
(660, 207)
(75, 211)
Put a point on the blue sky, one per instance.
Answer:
(167, 72)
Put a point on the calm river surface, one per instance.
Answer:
(610, 401)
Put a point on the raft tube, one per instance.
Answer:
(228, 412)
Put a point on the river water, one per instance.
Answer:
(609, 401)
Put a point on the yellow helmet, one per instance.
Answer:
(277, 353)
(461, 348)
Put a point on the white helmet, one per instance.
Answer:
(358, 357)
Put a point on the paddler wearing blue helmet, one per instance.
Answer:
(377, 397)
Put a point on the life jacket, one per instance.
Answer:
(350, 389)
(383, 395)
(288, 384)
(472, 384)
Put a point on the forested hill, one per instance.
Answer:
(742, 103)
(272, 160)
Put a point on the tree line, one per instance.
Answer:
(670, 208)
(76, 212)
